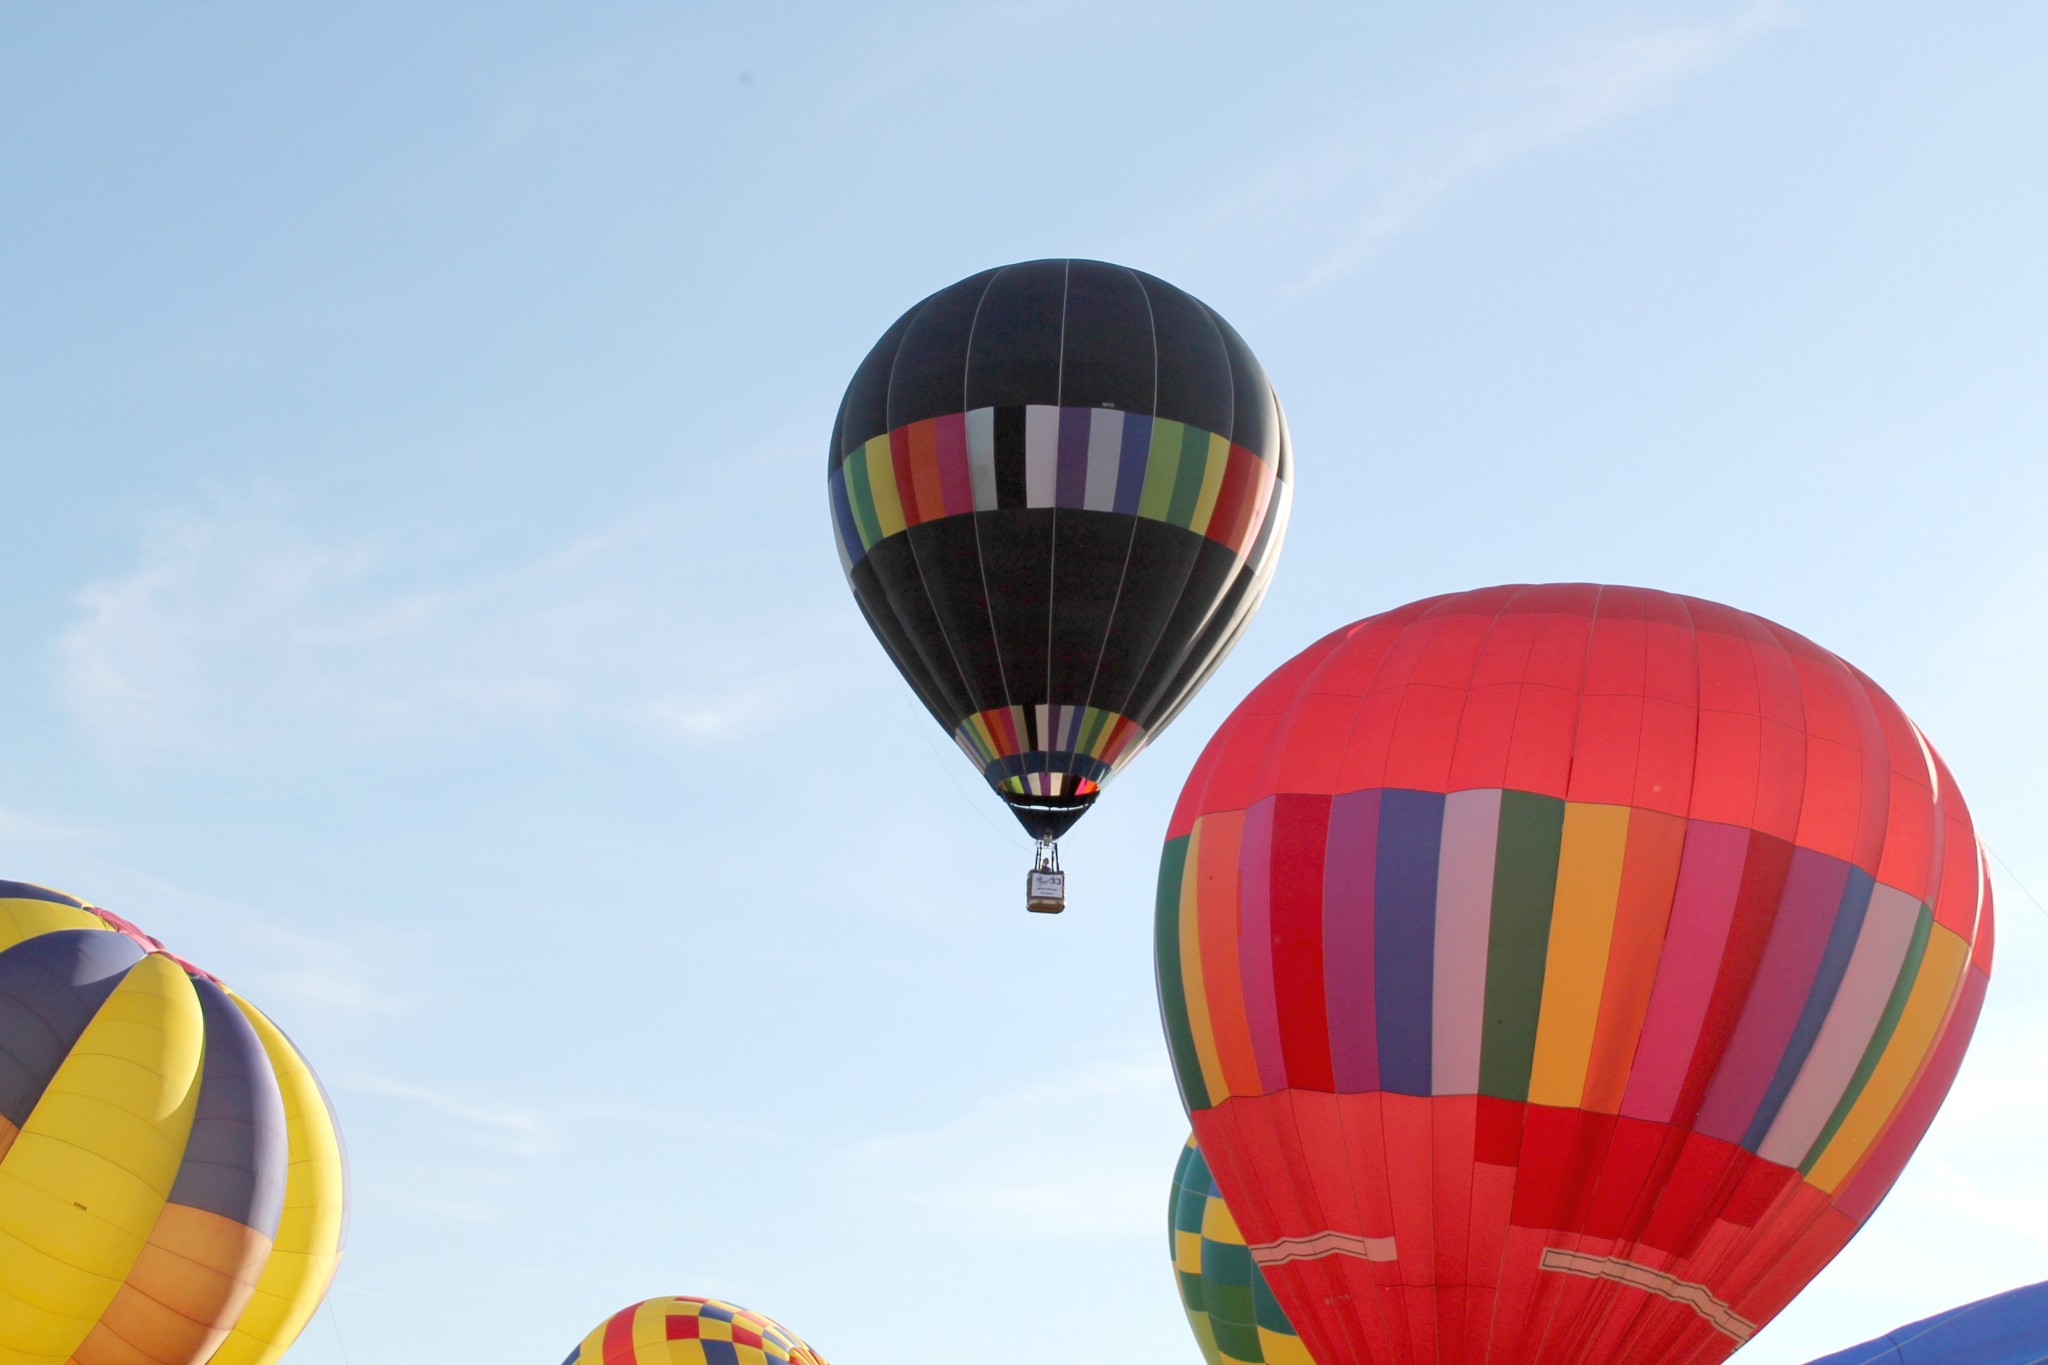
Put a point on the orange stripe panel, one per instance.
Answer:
(1216, 868)
(1649, 876)
(188, 1286)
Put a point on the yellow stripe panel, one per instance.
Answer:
(1218, 1224)
(1192, 987)
(1281, 1349)
(1187, 1252)
(22, 919)
(882, 486)
(1581, 928)
(308, 1245)
(1212, 483)
(1927, 1006)
(83, 1185)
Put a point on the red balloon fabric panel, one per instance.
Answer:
(1563, 973)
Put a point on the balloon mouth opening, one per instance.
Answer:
(1048, 817)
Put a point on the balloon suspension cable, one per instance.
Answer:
(1045, 886)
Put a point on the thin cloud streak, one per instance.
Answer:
(239, 635)
(1552, 106)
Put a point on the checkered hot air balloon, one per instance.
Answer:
(1563, 973)
(1235, 1317)
(172, 1184)
(1058, 490)
(691, 1331)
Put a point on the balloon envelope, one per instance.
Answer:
(684, 1330)
(1058, 490)
(1563, 973)
(1236, 1319)
(172, 1186)
(2005, 1329)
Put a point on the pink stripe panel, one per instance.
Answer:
(1702, 907)
(1348, 983)
(1845, 1034)
(1464, 911)
(1799, 935)
(1255, 944)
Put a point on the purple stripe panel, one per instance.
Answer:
(1777, 994)
(1404, 935)
(1348, 940)
(1838, 1048)
(1833, 964)
(50, 988)
(1464, 918)
(1137, 451)
(1073, 479)
(235, 1159)
(1255, 944)
(1702, 908)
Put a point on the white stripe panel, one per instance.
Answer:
(1041, 455)
(1105, 450)
(981, 457)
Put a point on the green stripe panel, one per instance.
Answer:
(1518, 939)
(1173, 999)
(862, 499)
(1187, 483)
(1162, 464)
(1887, 1023)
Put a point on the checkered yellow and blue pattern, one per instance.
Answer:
(1234, 1315)
(686, 1330)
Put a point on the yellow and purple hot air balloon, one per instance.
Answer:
(685, 1330)
(172, 1186)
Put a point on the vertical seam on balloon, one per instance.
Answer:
(1123, 575)
(1578, 1118)
(974, 518)
(1630, 1227)
(916, 563)
(1052, 564)
(1132, 703)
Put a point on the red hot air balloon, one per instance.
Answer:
(1563, 973)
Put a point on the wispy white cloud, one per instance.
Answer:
(1084, 1153)
(1377, 171)
(238, 633)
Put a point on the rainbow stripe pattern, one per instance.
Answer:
(1623, 943)
(1098, 459)
(1236, 1319)
(1049, 750)
(172, 1185)
(686, 1330)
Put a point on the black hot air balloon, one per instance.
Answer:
(1059, 490)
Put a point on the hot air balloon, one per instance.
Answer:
(1563, 973)
(691, 1331)
(2005, 1329)
(1234, 1315)
(1058, 491)
(171, 1178)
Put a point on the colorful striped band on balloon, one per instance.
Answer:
(1094, 459)
(1049, 750)
(1528, 949)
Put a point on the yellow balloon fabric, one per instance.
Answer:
(171, 1187)
(691, 1331)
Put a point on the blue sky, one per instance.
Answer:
(422, 610)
